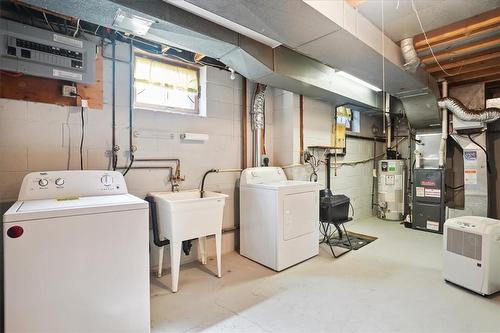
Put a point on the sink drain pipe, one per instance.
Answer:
(186, 245)
(154, 223)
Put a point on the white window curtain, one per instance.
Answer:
(163, 86)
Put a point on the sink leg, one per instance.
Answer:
(175, 263)
(202, 250)
(218, 250)
(160, 260)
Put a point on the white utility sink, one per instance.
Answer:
(185, 215)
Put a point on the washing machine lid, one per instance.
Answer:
(52, 208)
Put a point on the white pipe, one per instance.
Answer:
(444, 127)
(388, 120)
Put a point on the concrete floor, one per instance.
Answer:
(392, 284)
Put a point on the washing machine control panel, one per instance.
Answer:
(70, 184)
(262, 175)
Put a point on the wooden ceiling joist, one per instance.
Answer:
(476, 75)
(467, 60)
(485, 79)
(476, 25)
(477, 66)
(464, 49)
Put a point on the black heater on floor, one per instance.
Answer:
(333, 210)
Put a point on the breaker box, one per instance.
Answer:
(428, 200)
(33, 51)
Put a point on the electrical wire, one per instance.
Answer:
(82, 138)
(77, 27)
(414, 8)
(47, 21)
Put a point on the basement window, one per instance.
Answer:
(166, 85)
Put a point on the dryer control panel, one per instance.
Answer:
(262, 175)
(70, 184)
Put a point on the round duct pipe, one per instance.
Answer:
(410, 55)
(463, 113)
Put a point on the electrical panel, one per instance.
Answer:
(33, 51)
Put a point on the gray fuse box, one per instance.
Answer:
(33, 51)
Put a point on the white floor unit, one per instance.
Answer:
(278, 218)
(76, 255)
(471, 253)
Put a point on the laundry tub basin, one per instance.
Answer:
(185, 215)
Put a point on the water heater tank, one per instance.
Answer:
(391, 189)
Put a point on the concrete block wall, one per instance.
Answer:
(353, 181)
(37, 136)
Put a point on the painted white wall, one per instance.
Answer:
(353, 181)
(38, 136)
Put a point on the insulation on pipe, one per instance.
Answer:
(257, 122)
(444, 126)
(410, 55)
(463, 113)
(388, 120)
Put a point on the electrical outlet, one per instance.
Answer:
(69, 91)
(85, 103)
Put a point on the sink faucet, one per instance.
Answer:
(202, 191)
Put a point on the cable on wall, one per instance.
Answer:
(82, 138)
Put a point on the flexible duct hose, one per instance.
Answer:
(257, 112)
(410, 55)
(458, 109)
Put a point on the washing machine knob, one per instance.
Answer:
(106, 180)
(59, 182)
(43, 182)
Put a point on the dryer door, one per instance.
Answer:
(300, 211)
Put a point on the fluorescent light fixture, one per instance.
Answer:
(361, 82)
(224, 22)
(132, 23)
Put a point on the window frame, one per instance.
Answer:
(158, 108)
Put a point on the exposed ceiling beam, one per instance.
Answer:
(481, 65)
(479, 75)
(355, 3)
(467, 60)
(485, 79)
(483, 23)
(464, 49)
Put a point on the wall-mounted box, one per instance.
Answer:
(33, 51)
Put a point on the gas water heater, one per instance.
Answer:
(391, 190)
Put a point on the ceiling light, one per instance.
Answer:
(355, 79)
(224, 22)
(132, 23)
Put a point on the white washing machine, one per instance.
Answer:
(76, 255)
(279, 218)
